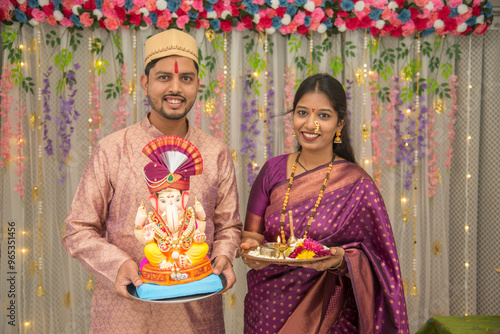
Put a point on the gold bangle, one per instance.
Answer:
(202, 220)
(138, 227)
(338, 265)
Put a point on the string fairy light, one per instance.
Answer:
(414, 290)
(468, 176)
(40, 291)
(224, 98)
(266, 49)
(364, 126)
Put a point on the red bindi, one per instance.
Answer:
(313, 110)
(176, 68)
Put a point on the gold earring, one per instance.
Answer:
(293, 133)
(337, 139)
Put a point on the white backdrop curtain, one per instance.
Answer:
(443, 246)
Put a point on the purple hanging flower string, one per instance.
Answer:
(249, 121)
(270, 103)
(64, 121)
(46, 112)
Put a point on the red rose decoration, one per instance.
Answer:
(280, 11)
(135, 19)
(476, 11)
(226, 25)
(247, 22)
(352, 24)
(420, 24)
(120, 13)
(365, 23)
(48, 9)
(303, 30)
(265, 22)
(444, 13)
(450, 24)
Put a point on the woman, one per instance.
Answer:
(358, 288)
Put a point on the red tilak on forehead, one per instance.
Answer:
(313, 110)
(176, 68)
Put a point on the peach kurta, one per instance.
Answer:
(100, 229)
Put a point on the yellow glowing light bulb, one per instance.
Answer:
(367, 161)
(470, 86)
(468, 176)
(24, 250)
(21, 46)
(408, 110)
(255, 74)
(469, 138)
(22, 64)
(466, 228)
(403, 199)
(99, 63)
(27, 323)
(467, 264)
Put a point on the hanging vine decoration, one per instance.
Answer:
(265, 114)
(120, 88)
(289, 79)
(365, 131)
(6, 128)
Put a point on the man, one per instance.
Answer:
(112, 187)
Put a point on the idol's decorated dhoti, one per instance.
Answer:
(173, 233)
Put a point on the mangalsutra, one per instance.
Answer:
(287, 196)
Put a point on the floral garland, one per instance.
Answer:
(249, 121)
(20, 167)
(217, 116)
(453, 81)
(433, 157)
(120, 113)
(395, 18)
(64, 121)
(197, 113)
(392, 107)
(46, 111)
(6, 100)
(288, 103)
(95, 110)
(270, 103)
(377, 128)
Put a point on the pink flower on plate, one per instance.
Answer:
(86, 19)
(182, 20)
(299, 17)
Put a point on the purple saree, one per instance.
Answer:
(365, 296)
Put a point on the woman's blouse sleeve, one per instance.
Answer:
(258, 201)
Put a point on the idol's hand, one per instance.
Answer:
(251, 243)
(128, 273)
(149, 233)
(334, 261)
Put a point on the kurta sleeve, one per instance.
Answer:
(227, 223)
(86, 222)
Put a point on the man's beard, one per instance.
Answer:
(161, 111)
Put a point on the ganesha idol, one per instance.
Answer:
(173, 233)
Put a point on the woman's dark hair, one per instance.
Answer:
(333, 90)
(153, 62)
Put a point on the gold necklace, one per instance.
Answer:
(318, 201)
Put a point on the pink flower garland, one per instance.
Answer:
(391, 133)
(454, 108)
(288, 103)
(95, 107)
(121, 114)
(6, 129)
(377, 130)
(197, 113)
(21, 114)
(431, 152)
(217, 116)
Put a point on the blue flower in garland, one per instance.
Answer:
(328, 23)
(212, 1)
(76, 20)
(20, 16)
(209, 8)
(307, 21)
(347, 5)
(300, 3)
(173, 5)
(489, 6)
(215, 23)
(283, 3)
(98, 4)
(375, 14)
(453, 12)
(427, 32)
(404, 16)
(291, 9)
(276, 22)
(33, 4)
(472, 21)
(153, 17)
(128, 5)
(252, 9)
(193, 15)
